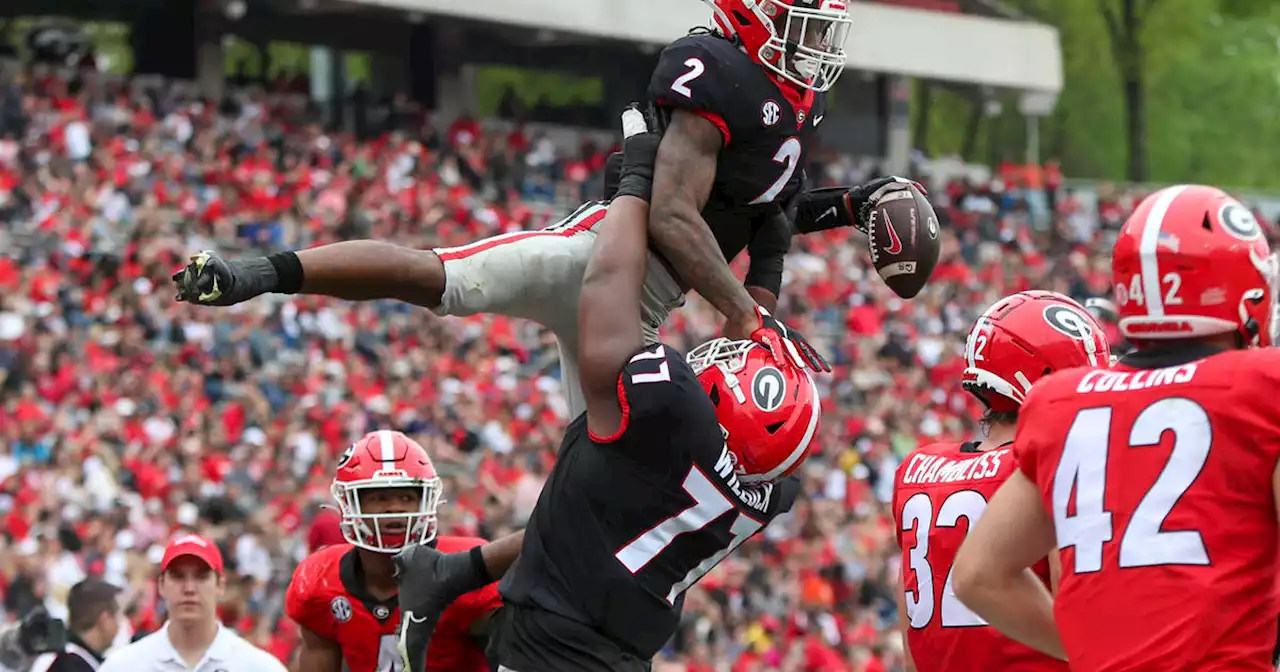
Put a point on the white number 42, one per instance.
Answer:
(1083, 471)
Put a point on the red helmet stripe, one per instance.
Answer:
(1149, 243)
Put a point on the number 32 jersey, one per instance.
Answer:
(1158, 475)
(765, 128)
(626, 523)
(938, 494)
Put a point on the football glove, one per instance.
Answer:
(429, 581)
(630, 172)
(861, 199)
(210, 280)
(785, 344)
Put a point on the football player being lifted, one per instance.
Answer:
(738, 105)
(1018, 340)
(675, 463)
(344, 596)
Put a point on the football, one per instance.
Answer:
(902, 230)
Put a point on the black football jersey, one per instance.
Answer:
(760, 166)
(626, 523)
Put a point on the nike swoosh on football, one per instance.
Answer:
(895, 245)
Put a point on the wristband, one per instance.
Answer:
(289, 275)
(477, 564)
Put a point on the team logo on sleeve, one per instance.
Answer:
(768, 388)
(341, 609)
(381, 612)
(770, 113)
(1067, 321)
(1239, 221)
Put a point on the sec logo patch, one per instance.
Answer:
(768, 389)
(341, 609)
(770, 113)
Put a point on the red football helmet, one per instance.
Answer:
(801, 41)
(768, 412)
(1192, 261)
(1024, 337)
(386, 460)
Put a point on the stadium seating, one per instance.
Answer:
(126, 417)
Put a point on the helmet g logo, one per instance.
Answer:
(347, 455)
(1069, 322)
(768, 389)
(1239, 221)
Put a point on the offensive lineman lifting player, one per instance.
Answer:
(740, 105)
(674, 464)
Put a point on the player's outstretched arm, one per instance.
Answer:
(834, 207)
(356, 270)
(992, 572)
(682, 181)
(316, 654)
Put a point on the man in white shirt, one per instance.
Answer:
(191, 582)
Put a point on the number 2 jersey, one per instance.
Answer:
(765, 128)
(939, 492)
(327, 596)
(626, 523)
(1158, 474)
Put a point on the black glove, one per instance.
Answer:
(639, 153)
(786, 344)
(210, 280)
(429, 581)
(862, 198)
(834, 207)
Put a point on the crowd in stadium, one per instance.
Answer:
(127, 417)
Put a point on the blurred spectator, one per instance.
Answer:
(93, 622)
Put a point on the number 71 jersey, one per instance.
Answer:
(1158, 476)
(627, 523)
(939, 493)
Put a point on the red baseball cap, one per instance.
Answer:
(194, 546)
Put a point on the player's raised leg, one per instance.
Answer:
(516, 274)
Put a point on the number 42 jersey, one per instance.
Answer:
(626, 523)
(1158, 475)
(939, 493)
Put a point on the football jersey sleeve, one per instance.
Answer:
(654, 386)
(695, 74)
(300, 605)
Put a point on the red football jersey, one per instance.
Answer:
(323, 597)
(1158, 479)
(936, 488)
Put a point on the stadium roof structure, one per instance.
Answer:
(964, 48)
